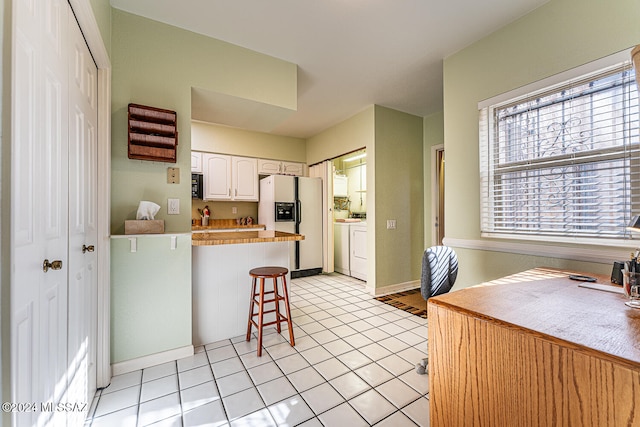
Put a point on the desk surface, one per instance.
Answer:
(546, 302)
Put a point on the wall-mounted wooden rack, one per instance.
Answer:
(153, 134)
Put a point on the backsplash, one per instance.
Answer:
(224, 210)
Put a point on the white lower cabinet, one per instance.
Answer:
(341, 248)
(358, 251)
(350, 249)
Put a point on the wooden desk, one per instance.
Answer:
(534, 349)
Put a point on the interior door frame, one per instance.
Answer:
(89, 26)
(324, 170)
(435, 195)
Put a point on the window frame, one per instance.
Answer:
(486, 145)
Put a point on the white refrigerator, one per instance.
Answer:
(294, 205)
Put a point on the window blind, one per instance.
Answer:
(563, 161)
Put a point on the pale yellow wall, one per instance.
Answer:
(349, 135)
(558, 36)
(399, 194)
(215, 138)
(156, 64)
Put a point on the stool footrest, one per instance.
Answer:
(253, 322)
(265, 312)
(269, 300)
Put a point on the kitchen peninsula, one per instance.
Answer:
(221, 261)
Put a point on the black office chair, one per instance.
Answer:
(439, 273)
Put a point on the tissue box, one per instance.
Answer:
(149, 226)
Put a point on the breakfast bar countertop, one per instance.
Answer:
(236, 237)
(218, 227)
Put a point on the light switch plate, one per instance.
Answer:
(173, 206)
(391, 224)
(173, 175)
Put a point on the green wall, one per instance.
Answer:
(102, 13)
(150, 296)
(398, 194)
(394, 187)
(157, 65)
(556, 37)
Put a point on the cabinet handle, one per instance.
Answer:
(54, 265)
(89, 248)
(236, 192)
(229, 192)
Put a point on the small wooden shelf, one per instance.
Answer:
(153, 134)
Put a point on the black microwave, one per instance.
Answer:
(197, 186)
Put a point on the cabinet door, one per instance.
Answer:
(293, 168)
(217, 176)
(268, 167)
(358, 246)
(196, 162)
(245, 179)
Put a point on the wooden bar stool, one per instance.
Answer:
(274, 273)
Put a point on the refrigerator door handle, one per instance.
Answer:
(298, 212)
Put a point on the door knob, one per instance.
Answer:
(55, 265)
(89, 248)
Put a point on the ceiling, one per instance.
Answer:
(350, 53)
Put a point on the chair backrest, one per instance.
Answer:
(439, 271)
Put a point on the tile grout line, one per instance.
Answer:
(317, 291)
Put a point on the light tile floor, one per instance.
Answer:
(353, 365)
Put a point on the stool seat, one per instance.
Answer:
(268, 272)
(258, 300)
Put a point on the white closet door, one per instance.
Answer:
(83, 126)
(43, 370)
(39, 207)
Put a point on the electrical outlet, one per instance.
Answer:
(173, 206)
(391, 224)
(234, 210)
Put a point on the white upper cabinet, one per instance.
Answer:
(277, 167)
(269, 167)
(230, 177)
(196, 162)
(245, 179)
(293, 168)
(217, 176)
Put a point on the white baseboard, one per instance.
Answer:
(151, 360)
(392, 289)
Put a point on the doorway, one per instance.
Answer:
(437, 194)
(349, 198)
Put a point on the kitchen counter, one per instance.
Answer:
(221, 285)
(238, 237)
